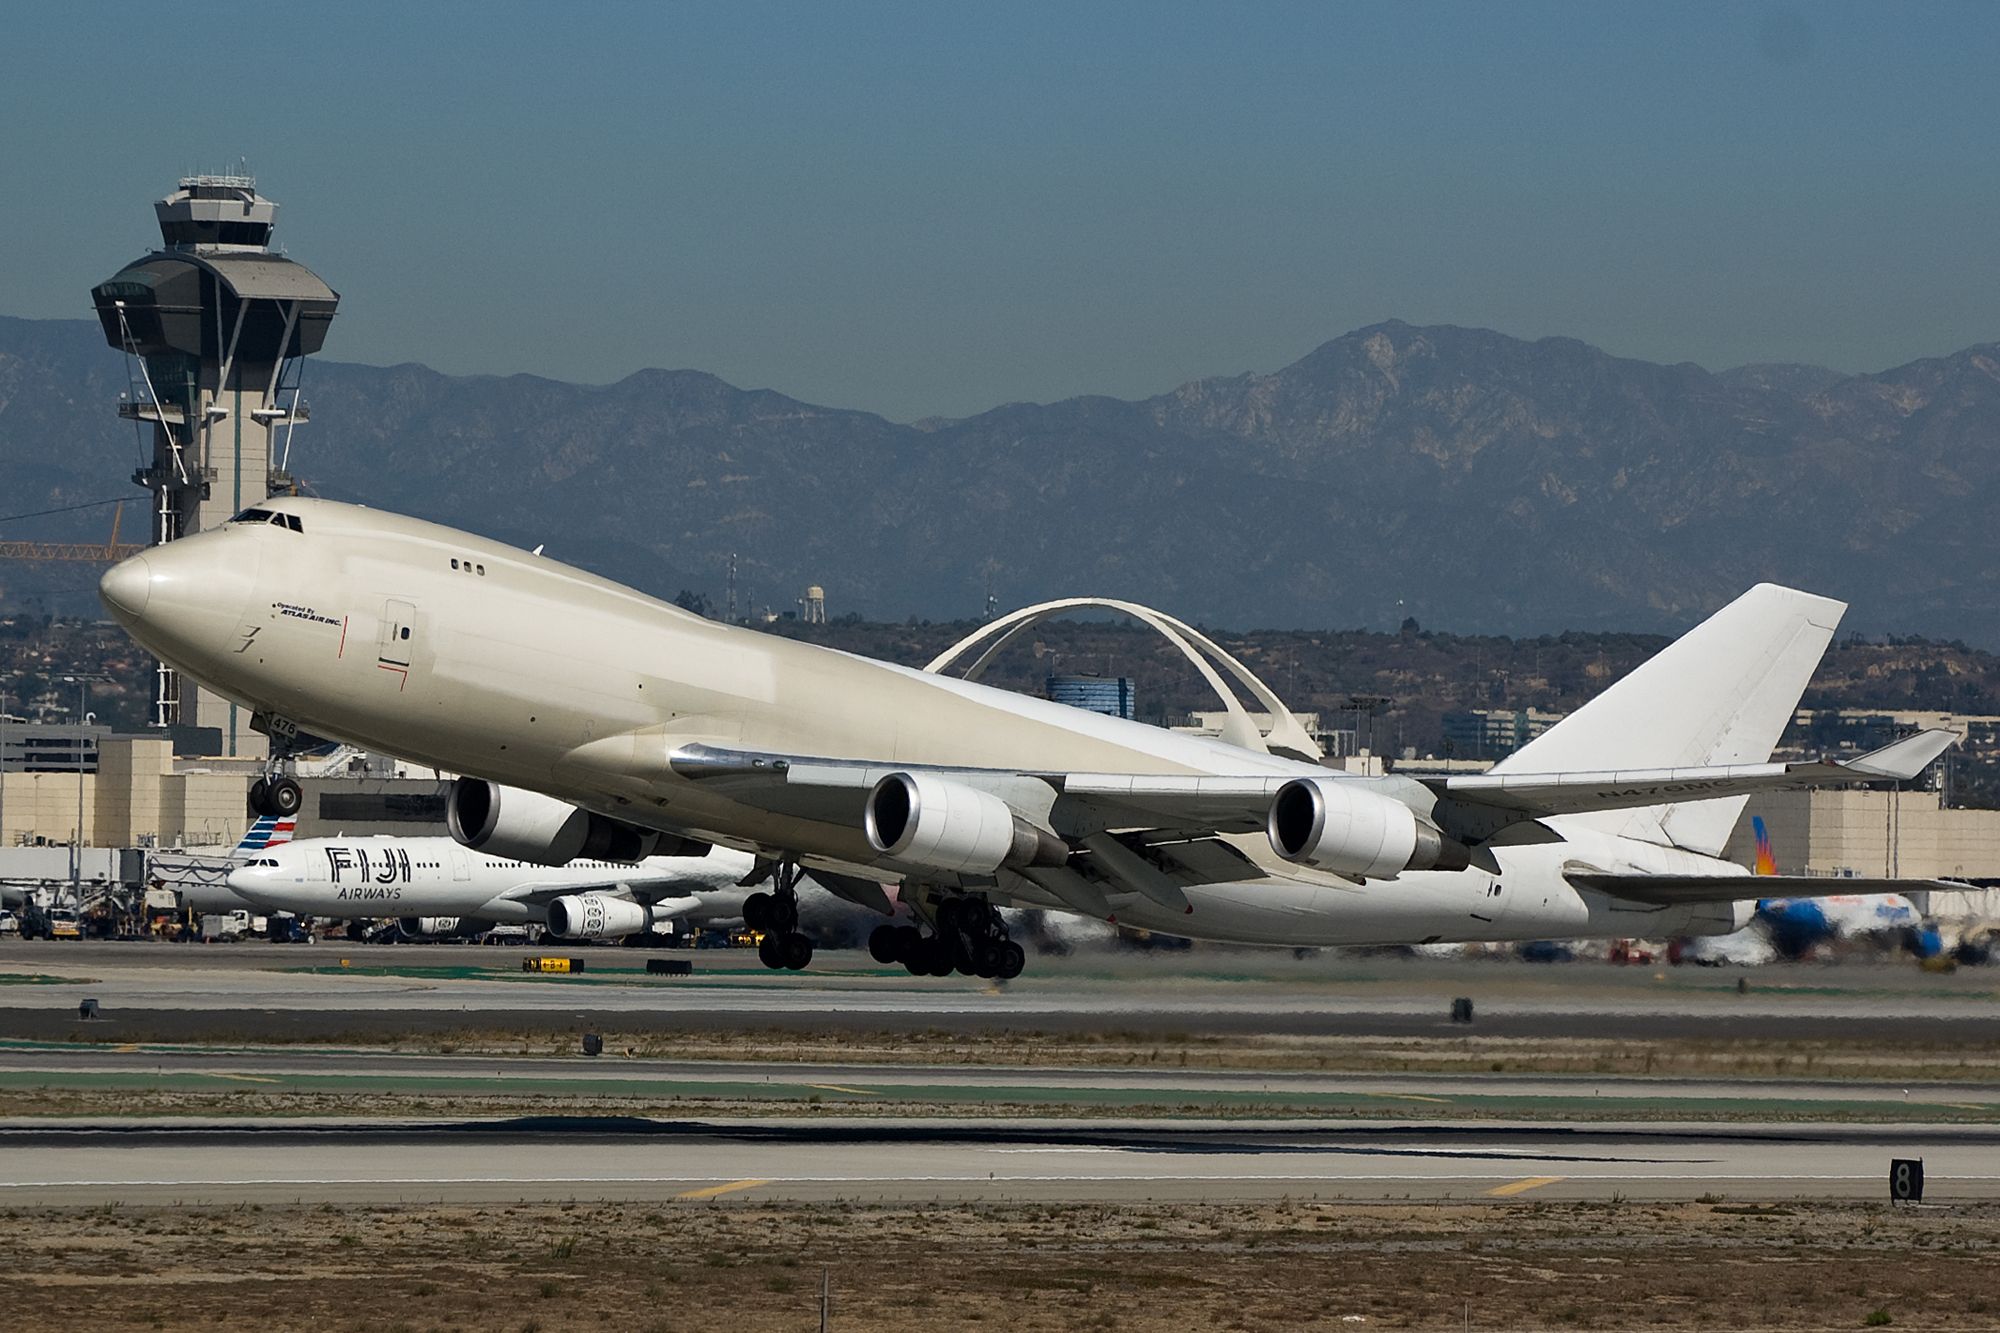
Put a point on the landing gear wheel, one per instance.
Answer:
(882, 944)
(771, 951)
(986, 960)
(938, 955)
(284, 797)
(971, 937)
(776, 916)
(1012, 959)
(260, 798)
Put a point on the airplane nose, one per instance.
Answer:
(126, 586)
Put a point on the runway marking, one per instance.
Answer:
(835, 1087)
(240, 1078)
(1409, 1097)
(1522, 1186)
(713, 1190)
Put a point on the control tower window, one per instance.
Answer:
(206, 231)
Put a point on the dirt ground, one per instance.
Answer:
(722, 1264)
(1911, 1055)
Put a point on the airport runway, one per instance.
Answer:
(27, 1066)
(151, 991)
(820, 1159)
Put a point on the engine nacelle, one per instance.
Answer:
(597, 916)
(522, 825)
(926, 820)
(428, 926)
(1337, 825)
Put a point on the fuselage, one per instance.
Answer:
(459, 652)
(349, 878)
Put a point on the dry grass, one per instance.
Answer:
(540, 1268)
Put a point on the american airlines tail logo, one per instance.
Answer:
(268, 831)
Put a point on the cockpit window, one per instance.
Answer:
(270, 516)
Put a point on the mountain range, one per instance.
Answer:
(1475, 481)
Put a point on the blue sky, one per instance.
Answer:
(923, 209)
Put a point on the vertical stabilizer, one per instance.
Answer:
(269, 831)
(1720, 694)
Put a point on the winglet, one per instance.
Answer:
(1904, 759)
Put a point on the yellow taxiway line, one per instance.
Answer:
(1514, 1187)
(713, 1190)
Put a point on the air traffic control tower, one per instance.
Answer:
(215, 326)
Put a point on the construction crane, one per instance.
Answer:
(91, 552)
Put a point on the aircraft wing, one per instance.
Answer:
(648, 891)
(1471, 807)
(1537, 795)
(1691, 890)
(835, 790)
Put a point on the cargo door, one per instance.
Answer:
(399, 625)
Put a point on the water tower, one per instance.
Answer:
(216, 326)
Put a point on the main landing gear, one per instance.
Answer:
(776, 916)
(275, 796)
(970, 938)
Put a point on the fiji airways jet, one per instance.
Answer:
(605, 724)
(432, 884)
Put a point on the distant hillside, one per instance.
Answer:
(1478, 482)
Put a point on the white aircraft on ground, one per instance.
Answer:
(599, 718)
(432, 885)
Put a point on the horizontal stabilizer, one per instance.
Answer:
(1692, 890)
(1536, 795)
(1902, 760)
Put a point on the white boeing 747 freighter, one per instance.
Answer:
(605, 724)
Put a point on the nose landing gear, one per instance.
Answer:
(970, 938)
(776, 916)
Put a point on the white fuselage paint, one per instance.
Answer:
(455, 651)
(363, 878)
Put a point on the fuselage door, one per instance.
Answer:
(399, 623)
(1492, 903)
(461, 865)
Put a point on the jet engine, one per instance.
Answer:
(428, 926)
(1336, 825)
(528, 826)
(926, 820)
(597, 916)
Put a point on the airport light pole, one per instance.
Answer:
(82, 684)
